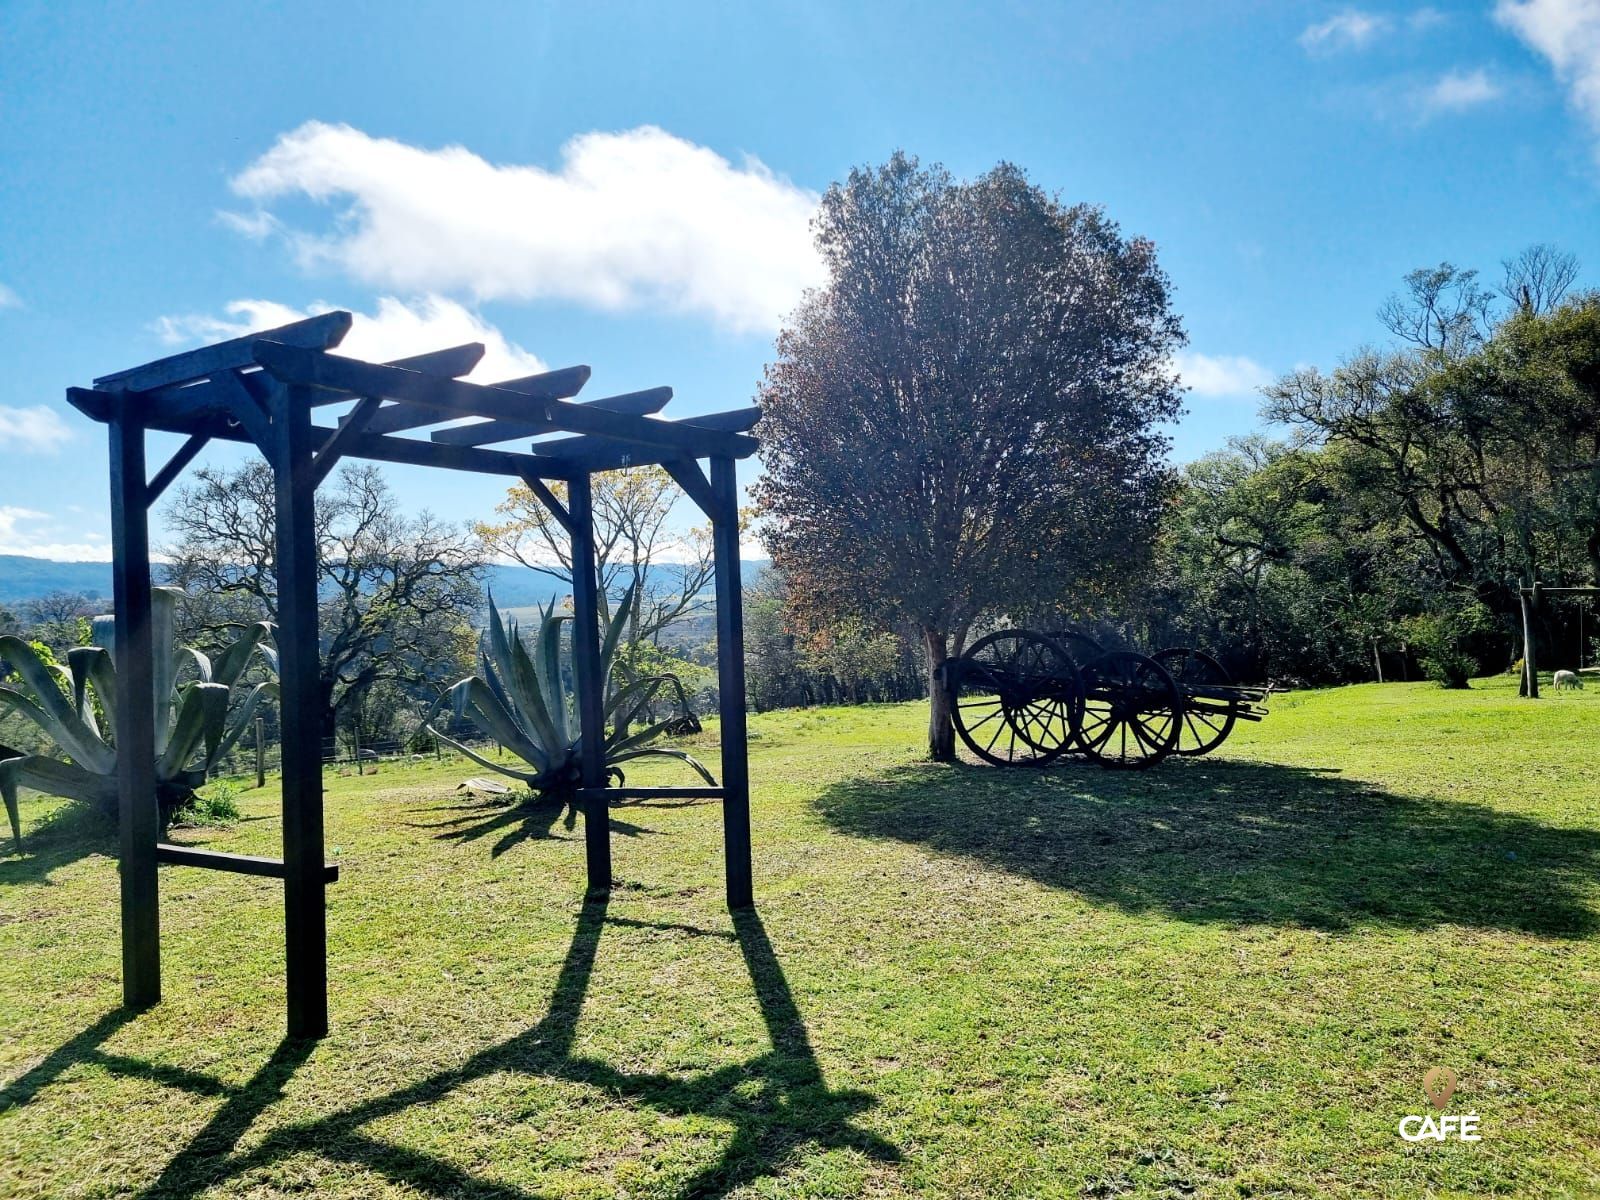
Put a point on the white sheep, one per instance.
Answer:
(1566, 679)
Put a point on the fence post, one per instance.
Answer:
(1530, 669)
(261, 751)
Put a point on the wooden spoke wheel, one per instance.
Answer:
(1208, 712)
(1132, 711)
(1080, 645)
(1016, 699)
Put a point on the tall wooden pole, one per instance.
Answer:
(138, 811)
(730, 685)
(590, 678)
(300, 716)
(1530, 669)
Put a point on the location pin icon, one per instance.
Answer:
(1440, 1085)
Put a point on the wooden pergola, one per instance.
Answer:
(266, 390)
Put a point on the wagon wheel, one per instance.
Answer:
(1016, 699)
(1207, 719)
(1131, 711)
(1080, 645)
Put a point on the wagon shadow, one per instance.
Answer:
(1250, 843)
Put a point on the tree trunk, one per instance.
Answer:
(941, 732)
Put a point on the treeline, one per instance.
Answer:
(1421, 486)
(848, 663)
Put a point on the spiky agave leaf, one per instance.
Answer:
(241, 720)
(232, 663)
(516, 689)
(202, 713)
(169, 659)
(91, 668)
(663, 752)
(42, 701)
(57, 778)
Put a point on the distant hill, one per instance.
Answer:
(23, 578)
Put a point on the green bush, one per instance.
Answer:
(1440, 638)
(215, 804)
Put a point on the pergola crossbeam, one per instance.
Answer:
(314, 333)
(547, 385)
(486, 433)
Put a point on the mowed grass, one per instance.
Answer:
(1219, 978)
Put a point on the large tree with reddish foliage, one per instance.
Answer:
(964, 422)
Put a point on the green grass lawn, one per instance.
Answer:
(1219, 978)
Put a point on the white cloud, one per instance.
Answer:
(1351, 29)
(39, 429)
(1456, 91)
(1567, 33)
(9, 298)
(16, 538)
(638, 219)
(397, 330)
(1221, 374)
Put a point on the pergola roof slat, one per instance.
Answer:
(603, 454)
(485, 433)
(314, 333)
(547, 385)
(457, 398)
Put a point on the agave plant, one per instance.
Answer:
(75, 707)
(526, 701)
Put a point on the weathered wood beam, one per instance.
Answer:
(367, 445)
(686, 473)
(238, 864)
(455, 458)
(552, 503)
(732, 733)
(314, 333)
(547, 385)
(589, 675)
(703, 792)
(245, 409)
(212, 393)
(603, 454)
(138, 810)
(455, 397)
(336, 443)
(484, 433)
(300, 715)
(452, 362)
(185, 455)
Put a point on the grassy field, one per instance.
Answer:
(1220, 978)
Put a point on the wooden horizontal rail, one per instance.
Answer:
(239, 864)
(704, 792)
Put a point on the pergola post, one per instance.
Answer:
(137, 807)
(300, 709)
(590, 680)
(730, 683)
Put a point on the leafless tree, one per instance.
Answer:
(637, 544)
(395, 595)
(1539, 278)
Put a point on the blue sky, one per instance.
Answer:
(626, 185)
